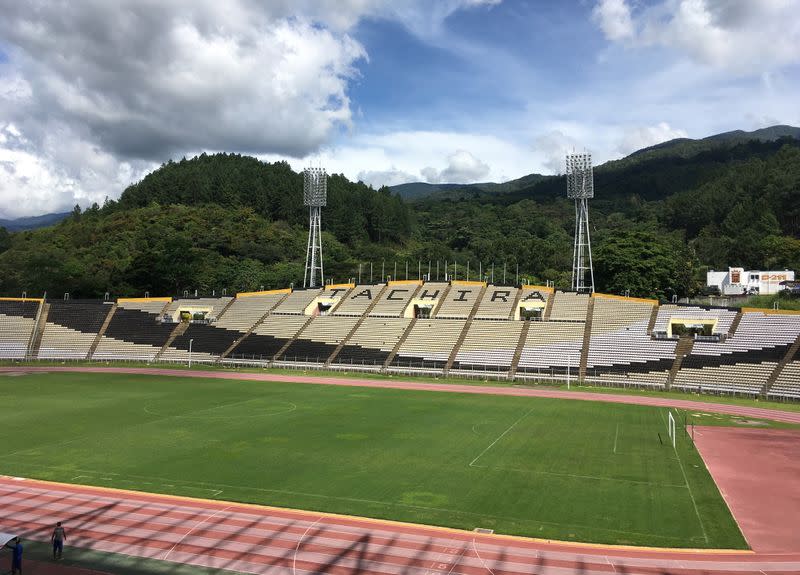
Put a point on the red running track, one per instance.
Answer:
(754, 412)
(253, 539)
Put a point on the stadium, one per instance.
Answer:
(264, 465)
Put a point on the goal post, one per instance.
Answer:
(671, 428)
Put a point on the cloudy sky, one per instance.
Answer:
(96, 93)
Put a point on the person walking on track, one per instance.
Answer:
(58, 538)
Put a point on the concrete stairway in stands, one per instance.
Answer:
(180, 329)
(684, 348)
(286, 345)
(549, 307)
(516, 304)
(399, 344)
(587, 336)
(735, 324)
(102, 331)
(441, 300)
(38, 331)
(363, 317)
(463, 335)
(652, 324)
(523, 336)
(224, 309)
(261, 320)
(785, 360)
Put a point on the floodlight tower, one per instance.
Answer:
(580, 187)
(315, 195)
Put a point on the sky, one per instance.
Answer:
(96, 94)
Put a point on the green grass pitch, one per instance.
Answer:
(555, 469)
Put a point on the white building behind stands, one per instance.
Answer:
(738, 281)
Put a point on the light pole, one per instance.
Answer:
(190, 353)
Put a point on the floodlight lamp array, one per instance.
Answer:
(580, 182)
(315, 187)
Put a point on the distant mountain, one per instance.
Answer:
(32, 222)
(687, 147)
(420, 190)
(679, 148)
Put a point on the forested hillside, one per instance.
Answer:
(232, 222)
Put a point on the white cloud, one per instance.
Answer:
(390, 177)
(553, 148)
(614, 19)
(636, 138)
(462, 168)
(104, 91)
(742, 37)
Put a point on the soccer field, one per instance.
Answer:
(556, 469)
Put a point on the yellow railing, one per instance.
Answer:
(625, 298)
(266, 292)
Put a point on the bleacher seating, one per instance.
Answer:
(550, 349)
(246, 311)
(318, 340)
(744, 361)
(723, 316)
(297, 301)
(487, 348)
(394, 299)
(459, 301)
(17, 322)
(429, 344)
(216, 305)
(134, 333)
(621, 351)
(373, 341)
(71, 329)
(358, 300)
(787, 386)
(569, 306)
(497, 303)
(268, 338)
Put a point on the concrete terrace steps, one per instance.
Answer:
(38, 330)
(101, 332)
(360, 321)
(787, 359)
(286, 345)
(523, 337)
(180, 329)
(548, 309)
(652, 323)
(260, 320)
(464, 331)
(587, 337)
(735, 324)
(442, 298)
(682, 349)
(399, 344)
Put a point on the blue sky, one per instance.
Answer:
(382, 91)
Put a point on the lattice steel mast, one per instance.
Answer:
(315, 195)
(580, 187)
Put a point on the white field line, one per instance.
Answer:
(196, 525)
(492, 444)
(686, 479)
(616, 436)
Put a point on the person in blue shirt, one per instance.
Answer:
(16, 557)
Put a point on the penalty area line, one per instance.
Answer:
(492, 444)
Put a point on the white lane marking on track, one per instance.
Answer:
(478, 555)
(196, 525)
(616, 436)
(492, 444)
(300, 541)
